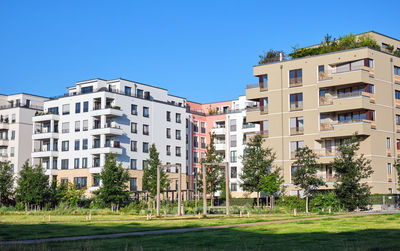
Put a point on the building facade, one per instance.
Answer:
(16, 112)
(319, 101)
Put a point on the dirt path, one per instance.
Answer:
(179, 230)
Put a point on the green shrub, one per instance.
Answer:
(292, 202)
(323, 201)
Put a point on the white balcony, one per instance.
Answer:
(44, 154)
(111, 131)
(220, 146)
(46, 117)
(218, 130)
(3, 142)
(45, 135)
(110, 112)
(106, 150)
(95, 170)
(3, 156)
(51, 172)
(4, 126)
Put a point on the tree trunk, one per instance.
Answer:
(212, 199)
(271, 201)
(258, 199)
(307, 204)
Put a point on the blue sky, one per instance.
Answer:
(201, 50)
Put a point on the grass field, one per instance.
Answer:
(370, 232)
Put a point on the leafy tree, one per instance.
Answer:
(150, 174)
(33, 186)
(257, 161)
(397, 166)
(114, 191)
(6, 183)
(271, 56)
(215, 178)
(306, 176)
(57, 193)
(73, 195)
(271, 183)
(350, 170)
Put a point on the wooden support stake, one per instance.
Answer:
(49, 218)
(240, 213)
(295, 212)
(44, 219)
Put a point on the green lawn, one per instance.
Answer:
(372, 232)
(26, 226)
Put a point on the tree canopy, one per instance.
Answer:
(6, 183)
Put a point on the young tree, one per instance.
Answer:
(6, 183)
(271, 183)
(114, 190)
(57, 193)
(150, 174)
(350, 170)
(257, 162)
(33, 186)
(73, 194)
(215, 178)
(397, 166)
(306, 176)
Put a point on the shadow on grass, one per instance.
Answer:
(256, 238)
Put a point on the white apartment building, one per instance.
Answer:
(16, 112)
(97, 117)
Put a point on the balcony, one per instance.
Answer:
(113, 147)
(3, 156)
(345, 78)
(397, 128)
(218, 130)
(51, 172)
(46, 117)
(44, 134)
(296, 130)
(44, 153)
(397, 79)
(348, 128)
(107, 130)
(295, 82)
(254, 91)
(109, 112)
(3, 142)
(95, 170)
(253, 113)
(4, 126)
(348, 102)
(220, 146)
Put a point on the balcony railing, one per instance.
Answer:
(296, 130)
(261, 109)
(326, 126)
(324, 75)
(248, 125)
(293, 82)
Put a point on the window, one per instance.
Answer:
(168, 148)
(178, 134)
(294, 146)
(133, 127)
(12, 134)
(294, 169)
(196, 157)
(233, 156)
(77, 126)
(187, 123)
(295, 77)
(77, 107)
(398, 144)
(263, 81)
(145, 112)
(145, 147)
(387, 143)
(80, 182)
(356, 116)
(369, 63)
(203, 127)
(86, 106)
(233, 141)
(65, 109)
(178, 151)
(134, 109)
(397, 70)
(77, 144)
(264, 105)
(133, 164)
(12, 151)
(53, 110)
(65, 146)
(203, 142)
(84, 144)
(145, 129)
(64, 164)
(133, 185)
(397, 94)
(85, 125)
(76, 163)
(65, 127)
(233, 187)
(168, 133)
(84, 162)
(195, 141)
(87, 89)
(178, 118)
(296, 125)
(128, 90)
(64, 181)
(13, 118)
(195, 126)
(139, 93)
(133, 146)
(96, 181)
(233, 172)
(389, 168)
(145, 164)
(168, 116)
(296, 101)
(233, 125)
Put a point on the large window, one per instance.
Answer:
(357, 116)
(65, 110)
(133, 127)
(178, 118)
(195, 126)
(84, 144)
(168, 148)
(168, 133)
(76, 163)
(233, 187)
(296, 101)
(133, 185)
(65, 127)
(133, 164)
(397, 70)
(389, 168)
(77, 107)
(195, 141)
(84, 162)
(294, 169)
(80, 182)
(85, 106)
(77, 144)
(233, 172)
(178, 134)
(203, 127)
(233, 156)
(263, 81)
(134, 109)
(196, 157)
(177, 151)
(145, 129)
(145, 112)
(85, 125)
(65, 146)
(233, 125)
(397, 94)
(296, 77)
(296, 125)
(168, 116)
(64, 164)
(133, 146)
(145, 147)
(128, 90)
(294, 146)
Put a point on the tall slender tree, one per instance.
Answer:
(149, 179)
(350, 170)
(397, 166)
(306, 176)
(33, 186)
(257, 163)
(6, 183)
(114, 189)
(271, 184)
(215, 177)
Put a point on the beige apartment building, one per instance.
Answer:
(319, 101)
